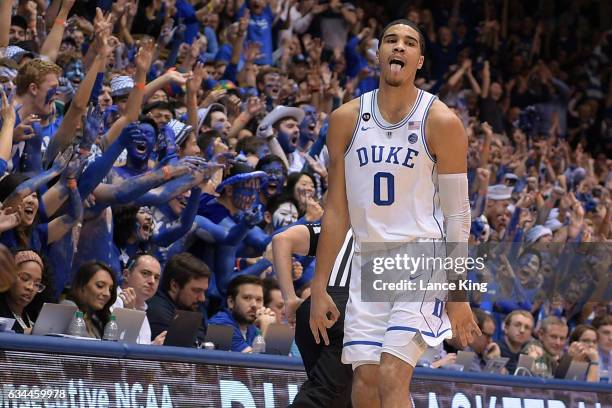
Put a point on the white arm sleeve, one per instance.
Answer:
(455, 205)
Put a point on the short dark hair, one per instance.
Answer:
(482, 317)
(182, 268)
(605, 320)
(135, 260)
(19, 21)
(269, 284)
(204, 139)
(579, 331)
(158, 105)
(214, 108)
(234, 285)
(270, 158)
(249, 145)
(404, 21)
(278, 200)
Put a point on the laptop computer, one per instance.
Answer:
(129, 322)
(496, 365)
(183, 329)
(6, 324)
(279, 338)
(524, 366)
(220, 336)
(54, 319)
(465, 359)
(571, 370)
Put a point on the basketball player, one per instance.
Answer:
(398, 172)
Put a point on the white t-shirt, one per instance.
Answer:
(144, 337)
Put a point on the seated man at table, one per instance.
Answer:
(245, 312)
(183, 286)
(141, 280)
(517, 329)
(483, 346)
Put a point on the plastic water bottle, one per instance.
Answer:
(77, 325)
(111, 330)
(259, 344)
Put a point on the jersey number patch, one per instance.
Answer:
(438, 308)
(384, 182)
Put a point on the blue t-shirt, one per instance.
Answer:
(38, 239)
(239, 343)
(260, 30)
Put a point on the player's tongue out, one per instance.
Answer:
(396, 66)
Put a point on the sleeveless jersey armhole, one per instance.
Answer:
(424, 125)
(357, 123)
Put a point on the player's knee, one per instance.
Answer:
(366, 376)
(394, 375)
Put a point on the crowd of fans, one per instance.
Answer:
(151, 149)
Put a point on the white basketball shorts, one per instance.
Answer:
(403, 329)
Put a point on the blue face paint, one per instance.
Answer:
(308, 125)
(74, 72)
(276, 179)
(263, 150)
(50, 94)
(142, 145)
(285, 140)
(244, 194)
(219, 127)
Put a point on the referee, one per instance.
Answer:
(329, 381)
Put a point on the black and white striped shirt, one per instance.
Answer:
(340, 277)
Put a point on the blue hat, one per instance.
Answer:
(499, 192)
(181, 130)
(121, 85)
(536, 233)
(203, 112)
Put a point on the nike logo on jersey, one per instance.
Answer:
(390, 154)
(363, 128)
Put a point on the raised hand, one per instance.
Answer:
(195, 80)
(254, 106)
(74, 168)
(166, 145)
(9, 218)
(254, 215)
(145, 56)
(128, 133)
(8, 110)
(224, 158)
(91, 130)
(213, 97)
(62, 159)
(243, 24)
(252, 52)
(25, 130)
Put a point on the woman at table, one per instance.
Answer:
(93, 291)
(31, 288)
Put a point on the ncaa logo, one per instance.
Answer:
(413, 138)
(365, 116)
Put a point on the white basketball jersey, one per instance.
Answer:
(391, 178)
